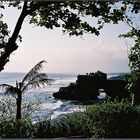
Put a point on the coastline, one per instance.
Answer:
(49, 105)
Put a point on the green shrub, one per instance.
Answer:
(67, 125)
(72, 124)
(107, 120)
(16, 129)
(113, 120)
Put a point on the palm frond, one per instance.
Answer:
(37, 81)
(34, 71)
(9, 90)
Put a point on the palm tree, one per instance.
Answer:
(33, 79)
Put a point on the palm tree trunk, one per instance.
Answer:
(18, 102)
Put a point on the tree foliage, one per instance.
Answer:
(4, 33)
(70, 16)
(134, 60)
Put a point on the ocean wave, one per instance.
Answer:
(48, 105)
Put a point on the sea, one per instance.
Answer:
(46, 106)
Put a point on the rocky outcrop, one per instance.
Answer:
(87, 88)
(116, 89)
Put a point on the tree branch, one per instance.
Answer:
(11, 45)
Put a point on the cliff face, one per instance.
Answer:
(87, 88)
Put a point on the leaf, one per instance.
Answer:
(35, 70)
(1, 6)
(37, 81)
(10, 90)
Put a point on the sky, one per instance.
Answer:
(65, 54)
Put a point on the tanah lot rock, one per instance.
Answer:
(87, 87)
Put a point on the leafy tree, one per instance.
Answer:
(134, 62)
(34, 78)
(65, 14)
(134, 84)
(134, 76)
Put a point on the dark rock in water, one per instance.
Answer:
(87, 88)
(76, 92)
(84, 88)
